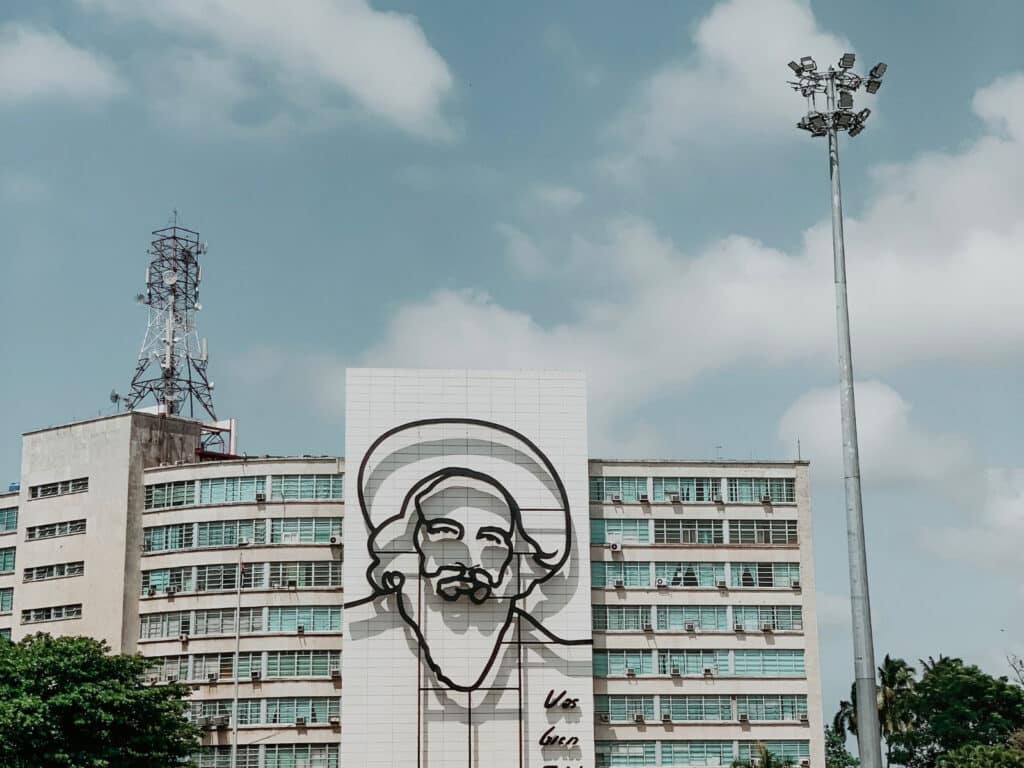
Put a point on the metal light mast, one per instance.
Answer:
(838, 85)
(172, 362)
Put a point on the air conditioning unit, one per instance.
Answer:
(300, 629)
(213, 677)
(803, 717)
(222, 721)
(604, 717)
(798, 626)
(619, 583)
(335, 540)
(638, 717)
(648, 627)
(795, 584)
(153, 680)
(255, 674)
(721, 584)
(204, 722)
(614, 546)
(691, 627)
(334, 720)
(766, 499)
(183, 637)
(674, 498)
(709, 671)
(292, 583)
(744, 717)
(261, 498)
(243, 542)
(660, 582)
(717, 498)
(630, 672)
(666, 717)
(170, 591)
(616, 498)
(739, 627)
(644, 498)
(335, 673)
(805, 763)
(675, 672)
(151, 591)
(300, 721)
(767, 628)
(171, 678)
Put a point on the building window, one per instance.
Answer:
(693, 662)
(5, 634)
(295, 755)
(308, 487)
(56, 571)
(746, 490)
(634, 754)
(678, 753)
(692, 618)
(78, 485)
(165, 538)
(765, 575)
(302, 663)
(770, 663)
(628, 489)
(7, 560)
(617, 663)
(794, 751)
(317, 618)
(52, 530)
(53, 613)
(617, 618)
(304, 530)
(624, 708)
(220, 757)
(228, 533)
(160, 625)
(620, 531)
(226, 490)
(181, 493)
(689, 575)
(770, 707)
(8, 519)
(165, 580)
(314, 709)
(763, 532)
(321, 573)
(754, 618)
(687, 488)
(6, 599)
(685, 708)
(610, 574)
(216, 621)
(688, 532)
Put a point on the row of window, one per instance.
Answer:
(311, 710)
(638, 573)
(251, 664)
(52, 530)
(228, 533)
(687, 708)
(269, 756)
(56, 571)
(697, 618)
(661, 754)
(223, 621)
(741, 490)
(692, 531)
(226, 490)
(225, 576)
(51, 613)
(739, 663)
(78, 485)
(8, 519)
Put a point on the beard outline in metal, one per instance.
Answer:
(483, 575)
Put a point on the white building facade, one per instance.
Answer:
(469, 590)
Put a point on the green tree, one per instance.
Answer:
(895, 685)
(956, 705)
(68, 703)
(982, 756)
(836, 753)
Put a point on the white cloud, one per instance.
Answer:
(561, 43)
(521, 252)
(893, 449)
(382, 60)
(731, 87)
(308, 376)
(557, 198)
(38, 64)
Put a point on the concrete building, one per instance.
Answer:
(696, 589)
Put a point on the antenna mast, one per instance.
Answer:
(172, 362)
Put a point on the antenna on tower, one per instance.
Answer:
(172, 362)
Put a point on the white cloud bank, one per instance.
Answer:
(732, 86)
(382, 60)
(40, 64)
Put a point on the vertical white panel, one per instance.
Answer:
(466, 570)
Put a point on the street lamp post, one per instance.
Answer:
(837, 85)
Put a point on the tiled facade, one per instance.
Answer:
(698, 594)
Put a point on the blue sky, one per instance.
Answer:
(605, 185)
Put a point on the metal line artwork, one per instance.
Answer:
(475, 554)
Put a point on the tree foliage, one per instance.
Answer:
(983, 756)
(895, 684)
(764, 758)
(68, 703)
(836, 753)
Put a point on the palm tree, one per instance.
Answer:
(846, 718)
(932, 663)
(764, 759)
(895, 682)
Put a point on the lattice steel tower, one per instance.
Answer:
(172, 362)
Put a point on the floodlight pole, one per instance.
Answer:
(869, 744)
